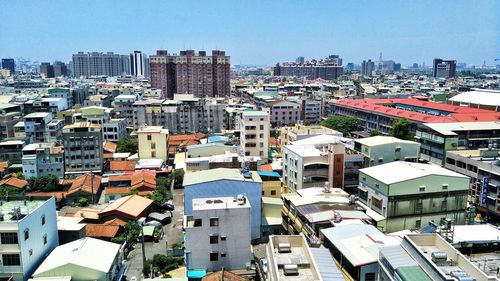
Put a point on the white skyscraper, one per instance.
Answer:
(138, 64)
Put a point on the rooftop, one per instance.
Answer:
(479, 96)
(7, 208)
(219, 203)
(37, 115)
(380, 140)
(152, 129)
(449, 129)
(254, 113)
(219, 174)
(399, 171)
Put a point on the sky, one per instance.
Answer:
(256, 32)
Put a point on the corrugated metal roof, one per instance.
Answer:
(219, 174)
(412, 273)
(326, 265)
(397, 256)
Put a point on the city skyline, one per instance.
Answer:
(257, 33)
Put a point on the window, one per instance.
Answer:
(30, 252)
(214, 239)
(262, 127)
(418, 223)
(273, 192)
(418, 207)
(222, 255)
(214, 256)
(11, 259)
(45, 239)
(43, 219)
(197, 222)
(376, 202)
(149, 137)
(9, 238)
(214, 222)
(153, 154)
(26, 234)
(222, 238)
(370, 276)
(444, 205)
(445, 186)
(421, 189)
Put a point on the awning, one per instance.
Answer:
(362, 189)
(196, 273)
(377, 197)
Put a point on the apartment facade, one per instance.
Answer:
(28, 232)
(254, 134)
(153, 143)
(96, 64)
(218, 234)
(42, 159)
(83, 148)
(384, 149)
(284, 113)
(409, 195)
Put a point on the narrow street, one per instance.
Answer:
(172, 235)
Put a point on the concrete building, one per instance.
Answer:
(438, 138)
(478, 98)
(12, 151)
(138, 64)
(312, 162)
(356, 248)
(42, 159)
(289, 258)
(112, 129)
(409, 195)
(153, 143)
(328, 68)
(367, 67)
(190, 73)
(83, 148)
(36, 125)
(225, 183)
(9, 64)
(300, 132)
(28, 231)
(384, 149)
(97, 64)
(284, 113)
(254, 134)
(63, 93)
(9, 116)
(482, 166)
(60, 69)
(46, 70)
(382, 114)
(218, 234)
(122, 106)
(444, 68)
(39, 104)
(77, 260)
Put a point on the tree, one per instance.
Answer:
(8, 190)
(126, 145)
(401, 130)
(343, 124)
(44, 183)
(20, 175)
(177, 176)
(130, 232)
(163, 182)
(375, 133)
(83, 202)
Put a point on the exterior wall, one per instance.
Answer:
(228, 188)
(234, 224)
(82, 149)
(268, 186)
(42, 164)
(115, 130)
(285, 113)
(207, 150)
(154, 148)
(255, 135)
(387, 153)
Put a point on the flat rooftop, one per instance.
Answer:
(219, 203)
(26, 207)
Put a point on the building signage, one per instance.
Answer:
(484, 193)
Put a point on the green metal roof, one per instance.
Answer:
(412, 273)
(218, 174)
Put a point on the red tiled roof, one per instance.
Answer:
(11, 180)
(82, 183)
(109, 146)
(115, 221)
(143, 178)
(222, 275)
(57, 194)
(456, 113)
(107, 155)
(266, 167)
(102, 230)
(3, 166)
(119, 178)
(117, 190)
(122, 165)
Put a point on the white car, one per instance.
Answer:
(263, 264)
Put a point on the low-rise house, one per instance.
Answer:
(11, 181)
(83, 259)
(85, 186)
(127, 208)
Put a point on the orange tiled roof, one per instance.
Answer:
(117, 190)
(109, 146)
(115, 221)
(273, 141)
(222, 275)
(3, 166)
(122, 165)
(119, 178)
(57, 194)
(266, 167)
(107, 155)
(143, 178)
(66, 181)
(132, 206)
(102, 230)
(11, 180)
(82, 183)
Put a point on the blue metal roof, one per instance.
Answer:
(268, 174)
(196, 273)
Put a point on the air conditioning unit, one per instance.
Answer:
(284, 248)
(291, 269)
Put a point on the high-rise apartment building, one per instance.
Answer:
(367, 67)
(46, 70)
(96, 64)
(444, 68)
(328, 68)
(138, 64)
(10, 65)
(60, 69)
(191, 73)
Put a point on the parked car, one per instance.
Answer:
(263, 263)
(168, 207)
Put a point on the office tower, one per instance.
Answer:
(47, 70)
(397, 67)
(328, 68)
(97, 64)
(83, 148)
(367, 67)
(444, 68)
(415, 65)
(60, 69)
(138, 64)
(9, 64)
(300, 60)
(191, 73)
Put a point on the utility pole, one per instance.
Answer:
(92, 185)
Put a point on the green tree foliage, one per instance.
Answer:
(8, 190)
(163, 264)
(375, 133)
(44, 183)
(83, 202)
(343, 124)
(163, 182)
(20, 175)
(401, 130)
(130, 232)
(177, 176)
(126, 145)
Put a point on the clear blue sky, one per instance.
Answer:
(256, 32)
